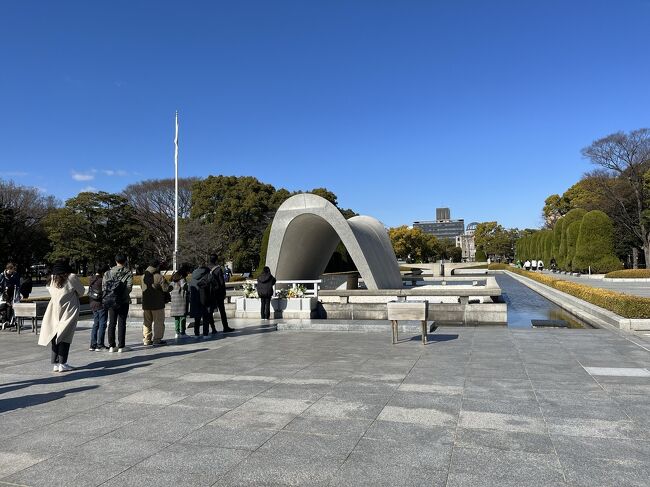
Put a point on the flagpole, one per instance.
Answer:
(176, 196)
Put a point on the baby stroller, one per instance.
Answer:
(7, 315)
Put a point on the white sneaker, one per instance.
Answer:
(56, 368)
(123, 349)
(177, 336)
(65, 367)
(112, 349)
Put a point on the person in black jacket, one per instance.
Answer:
(200, 285)
(265, 283)
(218, 296)
(100, 314)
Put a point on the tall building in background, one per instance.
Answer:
(443, 227)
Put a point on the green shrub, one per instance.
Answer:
(480, 256)
(557, 239)
(573, 216)
(595, 245)
(629, 274)
(624, 305)
(572, 232)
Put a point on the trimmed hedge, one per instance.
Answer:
(595, 245)
(629, 274)
(572, 232)
(563, 258)
(480, 256)
(624, 305)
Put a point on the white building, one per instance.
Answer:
(466, 243)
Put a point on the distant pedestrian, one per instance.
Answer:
(540, 265)
(527, 265)
(227, 273)
(62, 313)
(533, 265)
(100, 314)
(154, 287)
(200, 298)
(218, 287)
(26, 286)
(116, 287)
(179, 303)
(265, 283)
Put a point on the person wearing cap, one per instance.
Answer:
(62, 314)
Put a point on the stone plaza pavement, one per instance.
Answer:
(477, 406)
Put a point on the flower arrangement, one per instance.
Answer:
(250, 291)
(298, 291)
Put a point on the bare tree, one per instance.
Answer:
(153, 201)
(624, 160)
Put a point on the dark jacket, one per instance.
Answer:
(197, 309)
(218, 284)
(124, 274)
(154, 288)
(9, 285)
(96, 284)
(26, 286)
(265, 285)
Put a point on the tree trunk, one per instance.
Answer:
(646, 253)
(635, 258)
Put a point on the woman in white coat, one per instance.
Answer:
(61, 315)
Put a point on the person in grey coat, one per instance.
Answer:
(265, 283)
(180, 301)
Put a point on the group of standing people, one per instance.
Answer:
(109, 294)
(532, 265)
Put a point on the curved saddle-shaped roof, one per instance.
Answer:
(304, 235)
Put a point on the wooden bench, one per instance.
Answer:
(33, 311)
(408, 310)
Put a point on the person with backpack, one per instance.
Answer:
(62, 314)
(154, 289)
(179, 303)
(265, 283)
(117, 284)
(200, 298)
(99, 312)
(218, 296)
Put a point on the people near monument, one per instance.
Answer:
(154, 289)
(540, 265)
(227, 273)
(180, 301)
(116, 288)
(100, 316)
(62, 313)
(533, 265)
(553, 263)
(26, 286)
(218, 293)
(265, 283)
(200, 298)
(527, 265)
(10, 283)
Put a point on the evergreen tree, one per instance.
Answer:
(595, 245)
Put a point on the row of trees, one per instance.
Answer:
(223, 214)
(579, 241)
(619, 187)
(414, 245)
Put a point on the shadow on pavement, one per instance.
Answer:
(36, 399)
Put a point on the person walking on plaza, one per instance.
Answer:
(62, 313)
(100, 315)
(265, 283)
(200, 298)
(533, 265)
(154, 287)
(527, 265)
(179, 303)
(218, 295)
(116, 288)
(26, 286)
(540, 265)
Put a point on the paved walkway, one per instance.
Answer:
(636, 288)
(477, 406)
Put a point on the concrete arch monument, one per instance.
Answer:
(304, 235)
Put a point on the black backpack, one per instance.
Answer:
(204, 285)
(113, 292)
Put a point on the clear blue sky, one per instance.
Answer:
(396, 106)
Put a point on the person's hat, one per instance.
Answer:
(61, 267)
